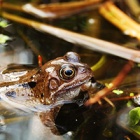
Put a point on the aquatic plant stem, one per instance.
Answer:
(120, 19)
(100, 63)
(82, 40)
(117, 81)
(54, 10)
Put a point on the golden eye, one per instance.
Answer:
(67, 72)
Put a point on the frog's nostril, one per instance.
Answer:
(93, 80)
(11, 94)
(82, 69)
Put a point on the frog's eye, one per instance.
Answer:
(67, 72)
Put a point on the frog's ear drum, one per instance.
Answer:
(72, 57)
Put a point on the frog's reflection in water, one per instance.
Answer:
(18, 125)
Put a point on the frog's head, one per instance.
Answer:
(58, 80)
(64, 77)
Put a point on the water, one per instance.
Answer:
(74, 122)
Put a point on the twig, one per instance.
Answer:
(82, 40)
(120, 19)
(120, 77)
(54, 10)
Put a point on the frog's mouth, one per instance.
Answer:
(70, 93)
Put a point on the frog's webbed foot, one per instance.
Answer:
(48, 119)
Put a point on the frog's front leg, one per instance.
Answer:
(48, 118)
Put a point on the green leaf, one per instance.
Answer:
(4, 38)
(134, 116)
(117, 91)
(3, 23)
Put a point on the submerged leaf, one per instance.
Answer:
(136, 129)
(134, 116)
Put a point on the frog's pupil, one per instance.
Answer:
(68, 72)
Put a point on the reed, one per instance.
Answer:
(76, 38)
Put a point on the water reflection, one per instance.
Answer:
(19, 125)
(16, 52)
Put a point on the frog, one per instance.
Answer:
(45, 89)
